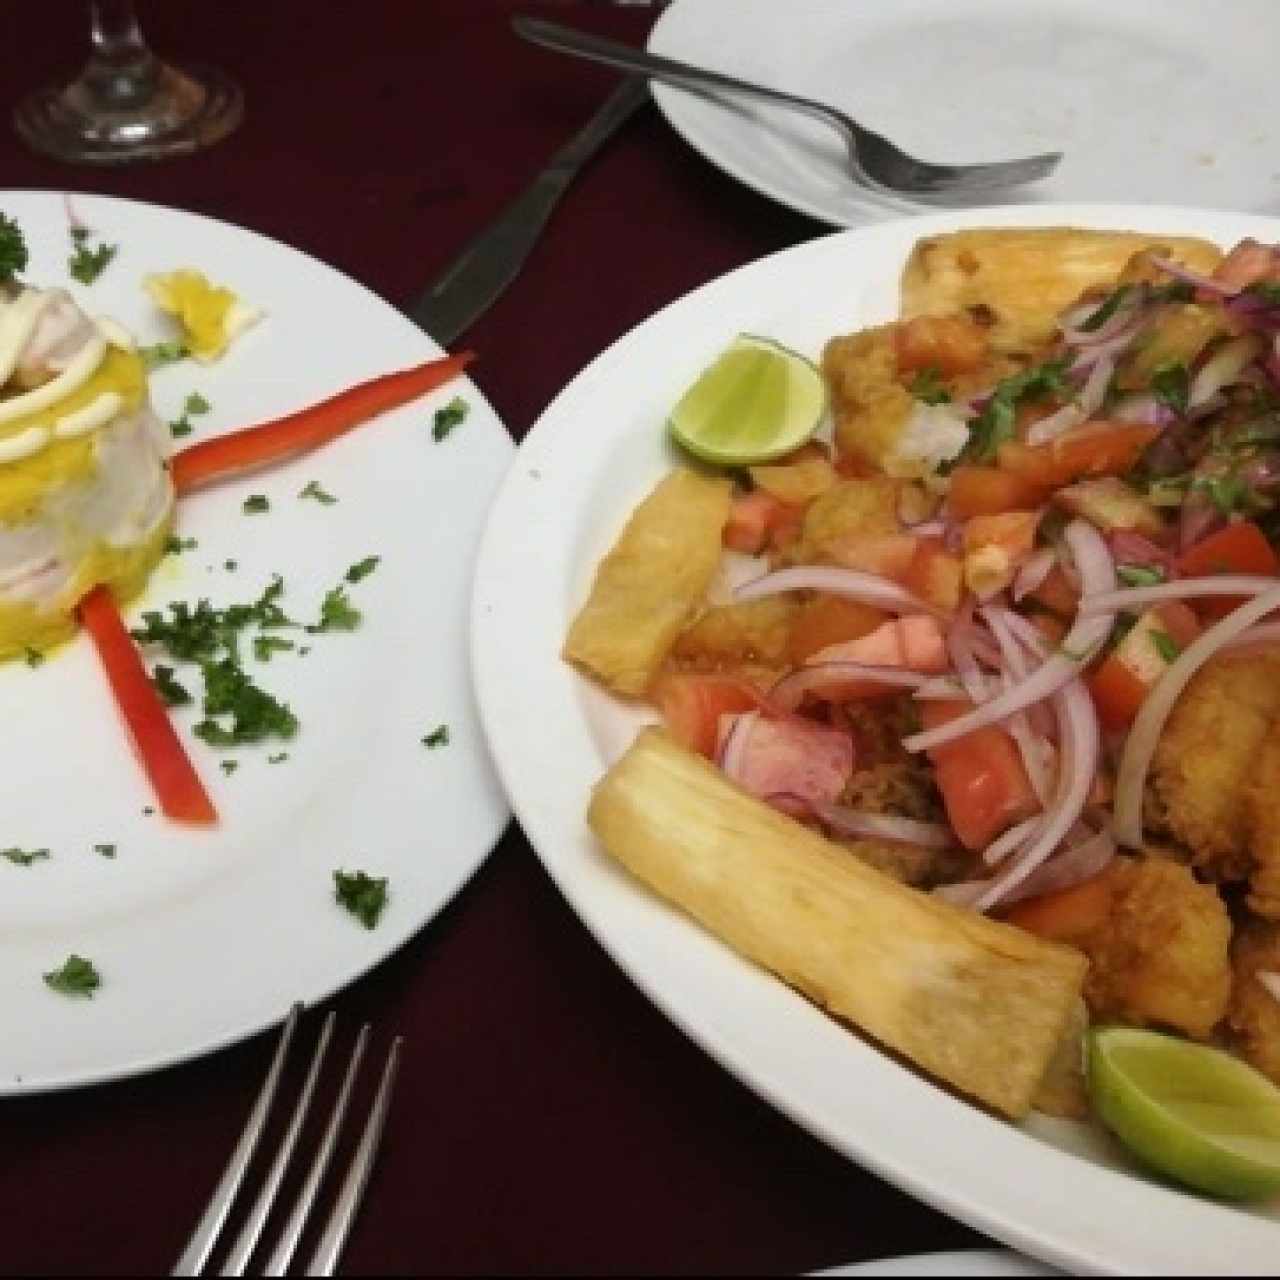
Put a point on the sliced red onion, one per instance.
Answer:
(1131, 598)
(735, 731)
(930, 528)
(1187, 276)
(1098, 576)
(1270, 981)
(960, 639)
(962, 894)
(1140, 745)
(788, 802)
(1070, 415)
(1122, 316)
(1034, 571)
(1074, 865)
(852, 584)
(854, 822)
(1263, 636)
(1032, 744)
(788, 693)
(1143, 407)
(1094, 391)
(1112, 349)
(943, 689)
(1003, 845)
(1223, 368)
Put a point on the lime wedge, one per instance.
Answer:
(1193, 1113)
(758, 401)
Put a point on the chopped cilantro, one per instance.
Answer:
(362, 568)
(160, 353)
(172, 694)
(1165, 645)
(1139, 575)
(147, 810)
(180, 428)
(928, 387)
(13, 249)
(313, 490)
(254, 713)
(1226, 490)
(175, 546)
(265, 646)
(86, 264)
(230, 565)
(107, 850)
(1104, 313)
(361, 894)
(32, 657)
(229, 766)
(337, 613)
(279, 758)
(452, 415)
(255, 504)
(995, 424)
(77, 977)
(196, 404)
(438, 737)
(1171, 385)
(24, 857)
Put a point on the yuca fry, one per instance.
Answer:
(649, 584)
(1024, 277)
(981, 1005)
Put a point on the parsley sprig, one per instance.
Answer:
(995, 424)
(86, 264)
(13, 249)
(361, 894)
(77, 977)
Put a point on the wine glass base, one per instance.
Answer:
(188, 109)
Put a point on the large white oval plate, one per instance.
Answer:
(1159, 101)
(1055, 1190)
(203, 937)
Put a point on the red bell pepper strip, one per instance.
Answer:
(177, 786)
(253, 447)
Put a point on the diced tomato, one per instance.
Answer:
(988, 491)
(913, 643)
(1069, 915)
(1129, 672)
(1246, 264)
(827, 620)
(691, 705)
(1098, 449)
(935, 575)
(981, 776)
(949, 344)
(1236, 548)
(1057, 594)
(756, 518)
(887, 554)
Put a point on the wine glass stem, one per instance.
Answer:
(122, 70)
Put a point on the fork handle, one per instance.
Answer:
(582, 44)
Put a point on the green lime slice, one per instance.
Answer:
(758, 401)
(1193, 1113)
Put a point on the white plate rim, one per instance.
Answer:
(529, 574)
(477, 816)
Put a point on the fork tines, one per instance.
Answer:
(325, 1258)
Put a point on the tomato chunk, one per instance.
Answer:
(826, 620)
(1069, 915)
(756, 519)
(984, 784)
(989, 491)
(1098, 449)
(1238, 548)
(1124, 678)
(692, 703)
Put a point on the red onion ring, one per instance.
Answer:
(788, 692)
(1072, 866)
(849, 583)
(1003, 845)
(1070, 415)
(1130, 598)
(1034, 570)
(854, 822)
(1187, 276)
(733, 746)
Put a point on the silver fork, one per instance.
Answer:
(325, 1258)
(873, 159)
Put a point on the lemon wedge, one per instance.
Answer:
(1193, 1113)
(211, 316)
(757, 401)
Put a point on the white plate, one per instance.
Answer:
(203, 937)
(1051, 1189)
(1152, 101)
(961, 1262)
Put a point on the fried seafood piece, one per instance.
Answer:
(1262, 805)
(869, 404)
(848, 515)
(751, 631)
(1161, 958)
(1254, 1017)
(1019, 279)
(1208, 758)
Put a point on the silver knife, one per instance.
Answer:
(479, 274)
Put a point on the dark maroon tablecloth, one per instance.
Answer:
(548, 1119)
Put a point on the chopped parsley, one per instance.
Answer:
(1226, 490)
(172, 694)
(24, 857)
(161, 353)
(106, 850)
(32, 657)
(13, 249)
(313, 490)
(279, 758)
(927, 386)
(995, 424)
(254, 714)
(362, 568)
(453, 414)
(1139, 575)
(229, 766)
(175, 546)
(230, 565)
(438, 737)
(1104, 313)
(77, 977)
(1165, 645)
(1171, 385)
(264, 646)
(337, 613)
(86, 264)
(256, 504)
(361, 894)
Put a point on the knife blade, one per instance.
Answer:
(489, 262)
